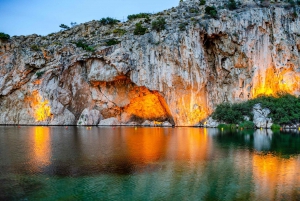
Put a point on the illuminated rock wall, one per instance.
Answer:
(173, 75)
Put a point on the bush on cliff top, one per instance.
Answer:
(4, 36)
(108, 21)
(137, 16)
(285, 109)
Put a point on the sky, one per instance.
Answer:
(25, 17)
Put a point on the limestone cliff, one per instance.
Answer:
(178, 74)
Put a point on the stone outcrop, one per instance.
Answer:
(177, 75)
(260, 117)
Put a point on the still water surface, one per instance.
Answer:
(124, 163)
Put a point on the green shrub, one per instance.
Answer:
(137, 16)
(84, 46)
(112, 42)
(35, 48)
(202, 2)
(182, 26)
(275, 127)
(285, 109)
(63, 26)
(247, 124)
(193, 10)
(232, 5)
(159, 24)
(139, 29)
(4, 36)
(39, 74)
(120, 32)
(108, 21)
(211, 10)
(226, 126)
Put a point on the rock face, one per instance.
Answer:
(177, 75)
(260, 117)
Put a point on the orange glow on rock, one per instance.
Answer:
(41, 108)
(273, 81)
(192, 110)
(148, 105)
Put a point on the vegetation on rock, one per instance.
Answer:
(84, 46)
(108, 21)
(247, 125)
(120, 32)
(159, 24)
(211, 10)
(39, 74)
(64, 27)
(4, 36)
(137, 16)
(285, 109)
(112, 42)
(35, 48)
(232, 5)
(139, 29)
(202, 2)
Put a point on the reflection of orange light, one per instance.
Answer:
(271, 82)
(42, 146)
(145, 146)
(270, 172)
(41, 108)
(191, 144)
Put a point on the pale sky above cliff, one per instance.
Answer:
(24, 17)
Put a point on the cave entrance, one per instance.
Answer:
(132, 103)
(148, 105)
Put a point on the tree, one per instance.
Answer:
(4, 36)
(73, 24)
(63, 26)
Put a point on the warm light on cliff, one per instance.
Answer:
(42, 111)
(148, 105)
(41, 108)
(192, 110)
(272, 82)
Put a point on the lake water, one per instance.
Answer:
(127, 163)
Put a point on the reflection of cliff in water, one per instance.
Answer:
(262, 139)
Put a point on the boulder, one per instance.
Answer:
(260, 117)
(89, 117)
(166, 124)
(146, 123)
(211, 123)
(109, 122)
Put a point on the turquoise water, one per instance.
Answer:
(127, 163)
